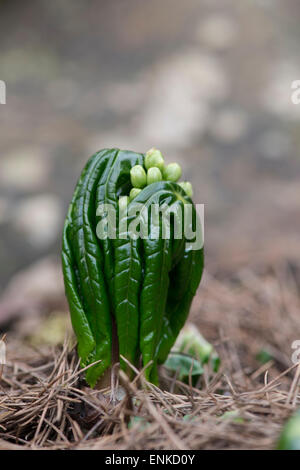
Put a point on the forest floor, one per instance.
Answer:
(251, 318)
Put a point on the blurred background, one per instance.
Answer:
(206, 82)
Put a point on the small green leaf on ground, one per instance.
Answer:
(190, 352)
(290, 435)
(183, 365)
(263, 356)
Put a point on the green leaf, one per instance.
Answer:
(184, 366)
(263, 356)
(290, 436)
(191, 342)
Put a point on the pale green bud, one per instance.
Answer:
(172, 172)
(123, 202)
(154, 158)
(138, 176)
(154, 175)
(187, 187)
(134, 192)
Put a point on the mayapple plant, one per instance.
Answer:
(129, 297)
